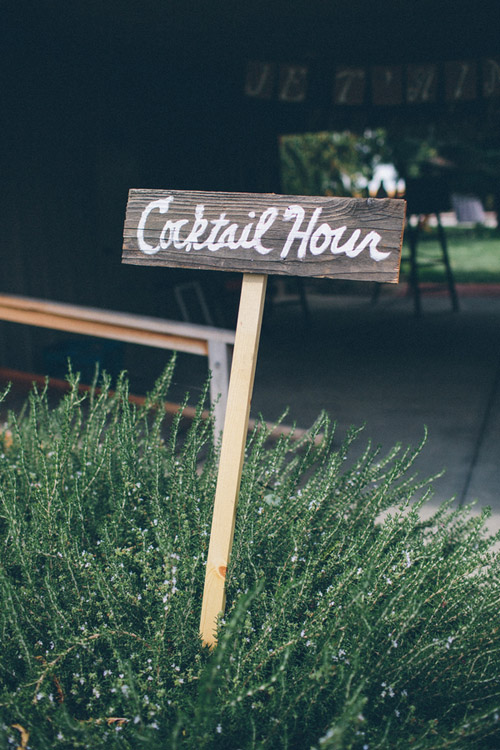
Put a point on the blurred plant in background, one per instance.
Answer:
(330, 163)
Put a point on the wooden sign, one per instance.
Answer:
(344, 238)
(259, 235)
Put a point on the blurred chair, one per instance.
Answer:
(426, 196)
(468, 209)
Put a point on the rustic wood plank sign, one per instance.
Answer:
(344, 238)
(257, 234)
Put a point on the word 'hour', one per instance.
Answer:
(300, 235)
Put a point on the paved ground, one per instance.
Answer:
(380, 366)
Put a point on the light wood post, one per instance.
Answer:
(232, 451)
(218, 363)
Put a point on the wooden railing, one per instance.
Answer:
(207, 341)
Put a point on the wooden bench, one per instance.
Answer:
(207, 341)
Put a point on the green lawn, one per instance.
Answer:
(474, 255)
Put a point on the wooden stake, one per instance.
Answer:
(246, 345)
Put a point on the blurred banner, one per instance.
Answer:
(377, 85)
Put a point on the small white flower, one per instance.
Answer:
(218, 729)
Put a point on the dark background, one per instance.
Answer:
(98, 97)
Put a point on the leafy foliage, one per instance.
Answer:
(350, 623)
(331, 163)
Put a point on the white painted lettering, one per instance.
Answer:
(223, 234)
(162, 205)
(348, 246)
(372, 239)
(173, 227)
(325, 231)
(200, 225)
(265, 221)
(244, 241)
(295, 233)
(228, 237)
(211, 243)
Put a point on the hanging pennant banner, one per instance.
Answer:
(260, 79)
(349, 87)
(421, 84)
(390, 85)
(491, 78)
(461, 81)
(344, 238)
(387, 85)
(292, 83)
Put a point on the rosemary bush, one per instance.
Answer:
(341, 630)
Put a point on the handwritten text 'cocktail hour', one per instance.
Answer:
(216, 234)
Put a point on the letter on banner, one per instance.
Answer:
(293, 83)
(260, 79)
(491, 78)
(421, 87)
(387, 85)
(349, 88)
(461, 81)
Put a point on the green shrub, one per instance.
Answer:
(342, 630)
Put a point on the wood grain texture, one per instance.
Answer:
(232, 451)
(266, 233)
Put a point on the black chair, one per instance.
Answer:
(426, 196)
